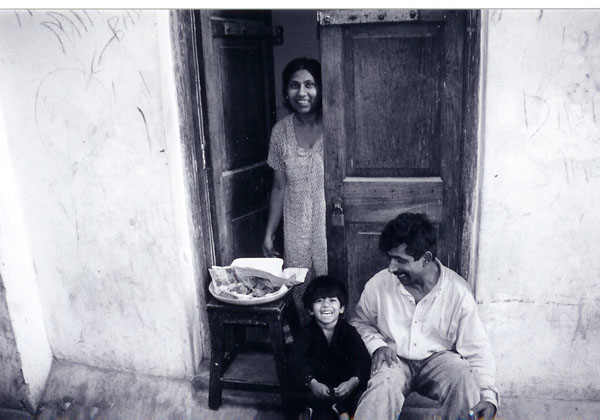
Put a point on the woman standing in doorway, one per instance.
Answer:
(296, 156)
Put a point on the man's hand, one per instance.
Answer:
(345, 388)
(483, 410)
(383, 354)
(318, 389)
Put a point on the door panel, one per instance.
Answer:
(365, 241)
(247, 190)
(237, 67)
(381, 199)
(242, 69)
(392, 106)
(404, 129)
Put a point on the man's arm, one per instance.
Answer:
(365, 319)
(473, 344)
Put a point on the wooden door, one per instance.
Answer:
(393, 85)
(236, 61)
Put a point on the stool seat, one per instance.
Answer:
(271, 316)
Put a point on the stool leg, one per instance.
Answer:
(278, 343)
(215, 388)
(293, 319)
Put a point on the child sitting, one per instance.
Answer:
(329, 363)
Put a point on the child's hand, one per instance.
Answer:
(345, 388)
(318, 389)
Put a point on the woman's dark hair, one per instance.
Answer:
(302, 63)
(413, 229)
(322, 287)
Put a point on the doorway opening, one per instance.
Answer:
(400, 97)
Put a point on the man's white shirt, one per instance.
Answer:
(445, 319)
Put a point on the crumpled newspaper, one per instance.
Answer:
(254, 277)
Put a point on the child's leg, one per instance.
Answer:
(344, 416)
(321, 409)
(324, 413)
(348, 405)
(305, 414)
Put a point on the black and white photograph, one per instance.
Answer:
(291, 213)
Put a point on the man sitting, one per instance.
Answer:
(419, 322)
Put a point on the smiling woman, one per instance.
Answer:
(296, 156)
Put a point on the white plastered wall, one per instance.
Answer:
(89, 106)
(33, 356)
(538, 272)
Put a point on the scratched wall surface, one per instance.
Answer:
(86, 121)
(538, 276)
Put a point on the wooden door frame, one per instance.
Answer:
(191, 105)
(202, 42)
(470, 174)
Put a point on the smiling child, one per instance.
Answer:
(329, 363)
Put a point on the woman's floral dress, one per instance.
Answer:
(305, 242)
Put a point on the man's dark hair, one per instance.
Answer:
(413, 229)
(302, 63)
(322, 287)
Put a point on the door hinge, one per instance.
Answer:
(277, 34)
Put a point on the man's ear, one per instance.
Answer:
(427, 257)
(311, 312)
(342, 309)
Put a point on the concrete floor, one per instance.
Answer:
(79, 392)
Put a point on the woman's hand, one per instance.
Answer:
(267, 247)
(318, 389)
(345, 388)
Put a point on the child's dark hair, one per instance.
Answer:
(324, 286)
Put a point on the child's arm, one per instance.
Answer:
(357, 369)
(359, 357)
(301, 367)
(318, 389)
(345, 388)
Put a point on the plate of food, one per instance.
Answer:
(253, 281)
(245, 297)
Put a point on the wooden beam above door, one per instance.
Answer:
(353, 16)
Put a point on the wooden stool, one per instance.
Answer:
(269, 315)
